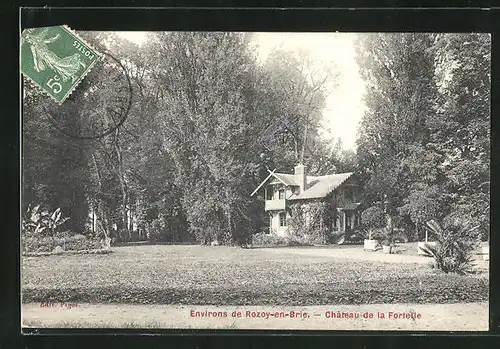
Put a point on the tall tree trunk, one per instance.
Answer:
(304, 144)
(123, 184)
(296, 145)
(100, 210)
(230, 225)
(416, 229)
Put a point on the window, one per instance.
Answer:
(282, 194)
(282, 219)
(269, 193)
(358, 219)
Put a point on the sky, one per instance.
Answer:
(344, 105)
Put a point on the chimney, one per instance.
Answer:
(301, 171)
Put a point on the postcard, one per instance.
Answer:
(255, 180)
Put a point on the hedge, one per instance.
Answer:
(32, 244)
(38, 254)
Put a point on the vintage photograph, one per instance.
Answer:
(255, 180)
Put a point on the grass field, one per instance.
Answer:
(220, 275)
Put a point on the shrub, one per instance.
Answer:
(36, 221)
(453, 252)
(156, 229)
(335, 236)
(374, 221)
(305, 240)
(373, 217)
(134, 235)
(400, 235)
(374, 233)
(167, 229)
(266, 239)
(122, 235)
(80, 242)
(354, 236)
(49, 243)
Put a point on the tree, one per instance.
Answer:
(206, 123)
(52, 163)
(205, 79)
(300, 87)
(460, 132)
(374, 220)
(424, 141)
(399, 73)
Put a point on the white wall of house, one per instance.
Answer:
(275, 223)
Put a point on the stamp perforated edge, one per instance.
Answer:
(99, 57)
(37, 86)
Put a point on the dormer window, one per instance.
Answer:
(269, 193)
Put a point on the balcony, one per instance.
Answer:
(275, 205)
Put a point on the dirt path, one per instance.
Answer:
(352, 253)
(433, 317)
(361, 255)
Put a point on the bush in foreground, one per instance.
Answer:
(454, 252)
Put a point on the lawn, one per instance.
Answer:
(169, 274)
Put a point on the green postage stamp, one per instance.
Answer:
(56, 59)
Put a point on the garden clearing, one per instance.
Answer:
(177, 277)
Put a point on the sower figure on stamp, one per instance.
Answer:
(66, 67)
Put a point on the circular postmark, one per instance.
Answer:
(98, 106)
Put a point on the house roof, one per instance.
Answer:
(289, 179)
(320, 186)
(350, 206)
(317, 186)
